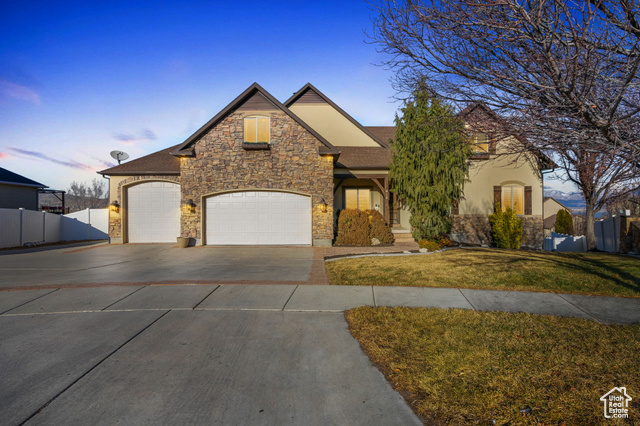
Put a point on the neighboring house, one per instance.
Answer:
(17, 191)
(551, 209)
(263, 172)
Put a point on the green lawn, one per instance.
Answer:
(581, 273)
(459, 367)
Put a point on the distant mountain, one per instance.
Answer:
(572, 200)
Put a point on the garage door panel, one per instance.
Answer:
(258, 218)
(154, 212)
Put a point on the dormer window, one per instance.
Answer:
(257, 130)
(480, 144)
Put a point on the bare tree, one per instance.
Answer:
(626, 201)
(602, 177)
(538, 62)
(82, 196)
(562, 75)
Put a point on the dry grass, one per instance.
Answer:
(460, 367)
(581, 273)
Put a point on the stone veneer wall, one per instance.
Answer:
(477, 230)
(115, 219)
(291, 164)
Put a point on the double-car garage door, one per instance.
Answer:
(258, 218)
(235, 218)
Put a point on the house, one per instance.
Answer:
(551, 207)
(262, 172)
(17, 191)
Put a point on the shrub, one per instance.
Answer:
(379, 227)
(506, 228)
(435, 243)
(353, 228)
(429, 244)
(564, 223)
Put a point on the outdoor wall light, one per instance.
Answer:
(189, 206)
(115, 207)
(323, 206)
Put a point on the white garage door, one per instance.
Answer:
(154, 212)
(258, 218)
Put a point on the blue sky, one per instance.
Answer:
(80, 79)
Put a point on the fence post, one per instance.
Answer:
(89, 223)
(21, 213)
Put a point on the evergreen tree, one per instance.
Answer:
(564, 223)
(429, 166)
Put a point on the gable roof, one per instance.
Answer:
(11, 178)
(186, 148)
(544, 162)
(158, 163)
(563, 206)
(309, 87)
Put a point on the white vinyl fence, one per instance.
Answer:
(88, 224)
(566, 243)
(608, 234)
(19, 227)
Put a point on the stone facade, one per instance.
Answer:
(116, 219)
(291, 164)
(477, 230)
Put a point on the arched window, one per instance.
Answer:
(256, 130)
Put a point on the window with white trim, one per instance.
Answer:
(257, 130)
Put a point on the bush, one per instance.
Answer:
(358, 227)
(564, 223)
(379, 227)
(353, 228)
(506, 228)
(435, 243)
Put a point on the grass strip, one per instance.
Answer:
(600, 274)
(458, 366)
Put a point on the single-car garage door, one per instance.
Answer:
(258, 218)
(153, 212)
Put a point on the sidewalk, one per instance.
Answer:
(312, 298)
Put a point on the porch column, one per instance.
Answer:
(387, 204)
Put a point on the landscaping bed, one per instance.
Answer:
(600, 274)
(459, 367)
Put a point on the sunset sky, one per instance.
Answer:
(80, 79)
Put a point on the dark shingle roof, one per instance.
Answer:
(7, 176)
(383, 133)
(158, 163)
(353, 157)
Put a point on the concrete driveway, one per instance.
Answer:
(154, 263)
(202, 366)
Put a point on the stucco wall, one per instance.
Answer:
(291, 164)
(499, 171)
(332, 125)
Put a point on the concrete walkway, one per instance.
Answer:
(311, 298)
(220, 354)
